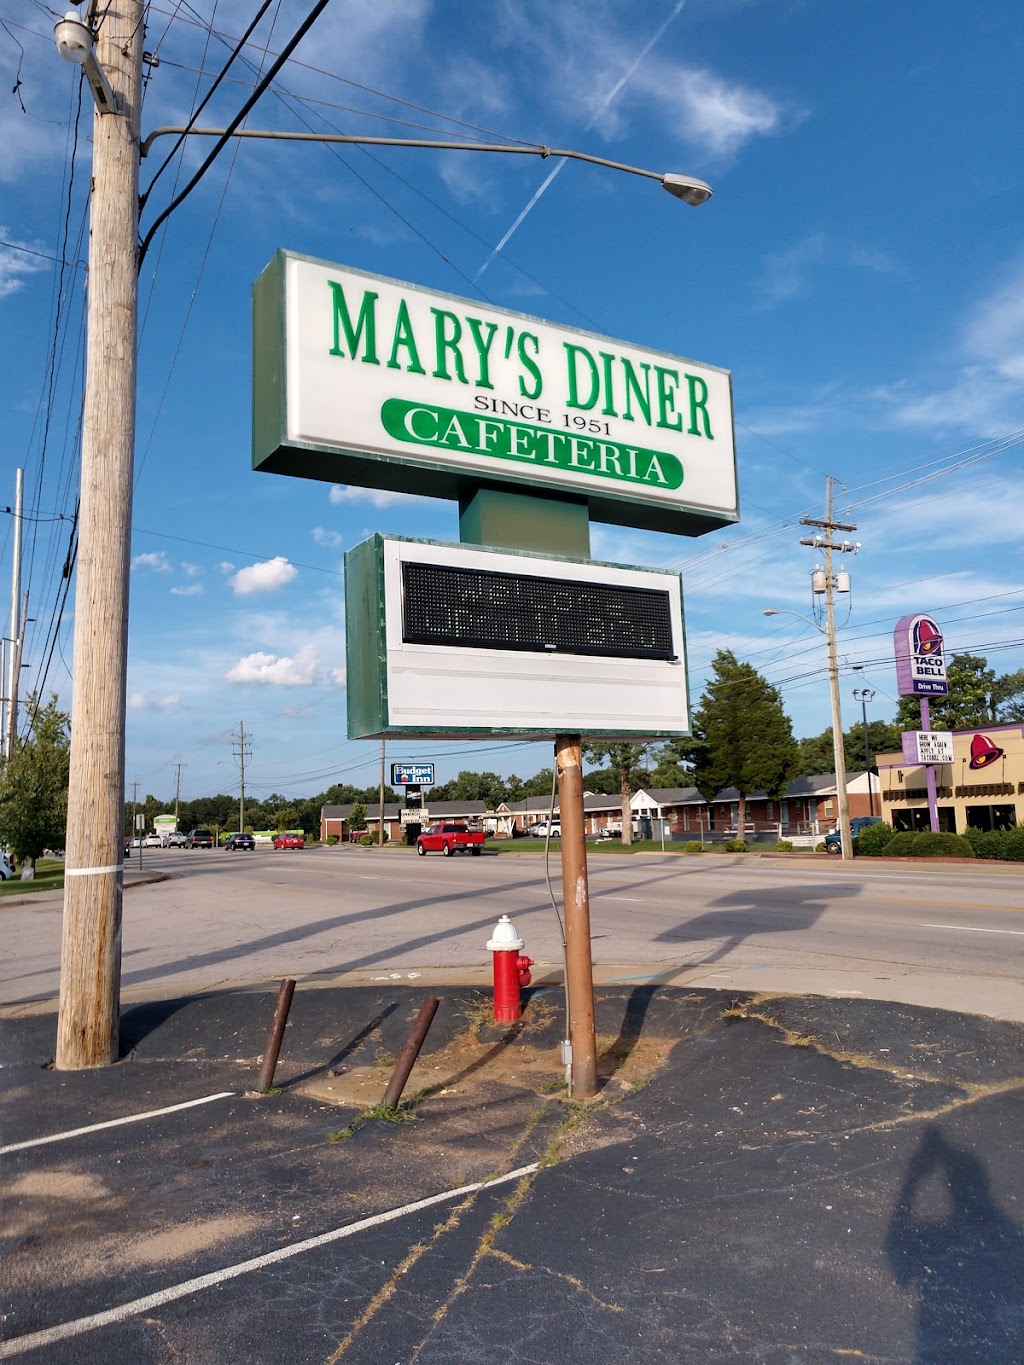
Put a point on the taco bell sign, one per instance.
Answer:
(920, 657)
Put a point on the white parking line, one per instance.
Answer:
(113, 1123)
(76, 1328)
(972, 929)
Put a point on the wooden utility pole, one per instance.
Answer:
(90, 984)
(579, 969)
(177, 790)
(10, 728)
(243, 752)
(828, 545)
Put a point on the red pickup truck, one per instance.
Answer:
(449, 839)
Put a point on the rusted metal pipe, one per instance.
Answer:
(274, 1038)
(410, 1052)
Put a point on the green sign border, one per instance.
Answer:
(415, 472)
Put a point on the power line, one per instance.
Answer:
(218, 146)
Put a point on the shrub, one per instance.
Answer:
(332, 839)
(873, 840)
(693, 846)
(735, 845)
(820, 848)
(1007, 845)
(924, 844)
(784, 846)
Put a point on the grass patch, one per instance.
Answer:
(379, 1112)
(49, 877)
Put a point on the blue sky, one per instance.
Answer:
(860, 271)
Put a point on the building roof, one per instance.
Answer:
(436, 810)
(672, 796)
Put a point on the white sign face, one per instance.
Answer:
(486, 642)
(928, 746)
(455, 392)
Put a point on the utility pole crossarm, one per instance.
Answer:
(828, 525)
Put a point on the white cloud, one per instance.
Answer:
(330, 540)
(277, 671)
(376, 497)
(787, 274)
(148, 701)
(17, 266)
(337, 675)
(718, 115)
(153, 559)
(986, 396)
(226, 566)
(192, 590)
(597, 70)
(192, 570)
(265, 577)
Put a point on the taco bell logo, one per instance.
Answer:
(920, 657)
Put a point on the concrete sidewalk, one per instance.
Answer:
(774, 1180)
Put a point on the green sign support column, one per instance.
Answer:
(517, 521)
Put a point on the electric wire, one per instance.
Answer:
(197, 110)
(235, 122)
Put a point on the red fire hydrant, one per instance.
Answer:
(511, 970)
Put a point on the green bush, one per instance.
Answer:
(368, 840)
(784, 846)
(924, 844)
(820, 848)
(873, 840)
(332, 839)
(693, 846)
(735, 845)
(1006, 845)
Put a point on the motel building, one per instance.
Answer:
(983, 788)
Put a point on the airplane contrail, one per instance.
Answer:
(605, 103)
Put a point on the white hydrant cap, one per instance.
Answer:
(505, 939)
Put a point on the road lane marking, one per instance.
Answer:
(972, 929)
(79, 1326)
(114, 1123)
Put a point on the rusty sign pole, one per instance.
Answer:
(579, 968)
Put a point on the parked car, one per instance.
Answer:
(450, 838)
(152, 840)
(834, 841)
(608, 833)
(289, 841)
(175, 838)
(239, 841)
(199, 838)
(6, 868)
(541, 828)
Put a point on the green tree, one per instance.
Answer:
(624, 760)
(34, 787)
(357, 819)
(745, 739)
(673, 767)
(977, 697)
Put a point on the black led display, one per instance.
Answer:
(485, 610)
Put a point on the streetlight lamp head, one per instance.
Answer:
(687, 188)
(770, 611)
(73, 38)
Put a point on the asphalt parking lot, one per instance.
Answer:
(762, 1179)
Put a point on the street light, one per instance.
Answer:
(839, 755)
(87, 1026)
(864, 695)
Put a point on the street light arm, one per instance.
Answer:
(686, 187)
(772, 611)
